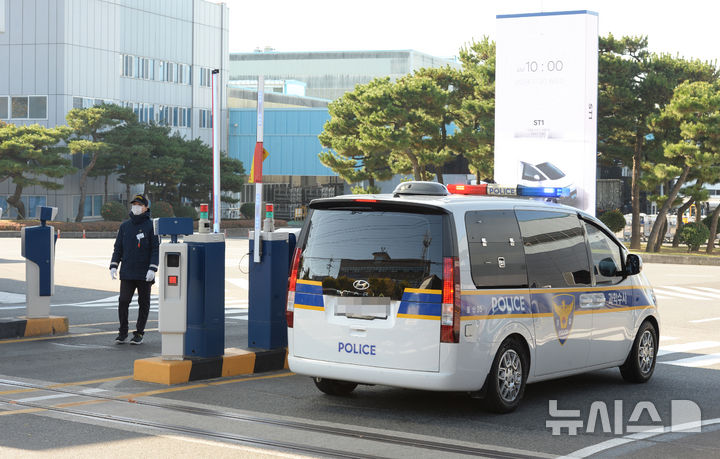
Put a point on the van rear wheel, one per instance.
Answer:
(507, 378)
(640, 363)
(334, 387)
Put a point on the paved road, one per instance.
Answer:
(74, 395)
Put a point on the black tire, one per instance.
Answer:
(505, 393)
(334, 387)
(640, 363)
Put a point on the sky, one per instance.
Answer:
(440, 28)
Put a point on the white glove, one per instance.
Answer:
(113, 273)
(150, 276)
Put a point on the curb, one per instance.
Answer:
(235, 362)
(679, 259)
(23, 327)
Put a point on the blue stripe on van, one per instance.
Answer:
(308, 288)
(414, 297)
(420, 309)
(309, 299)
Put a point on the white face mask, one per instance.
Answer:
(136, 210)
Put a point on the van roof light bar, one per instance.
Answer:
(420, 188)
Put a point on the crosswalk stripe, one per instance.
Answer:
(692, 291)
(665, 293)
(700, 321)
(686, 347)
(698, 361)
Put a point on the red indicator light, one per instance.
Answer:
(468, 189)
(172, 280)
(268, 207)
(203, 207)
(366, 200)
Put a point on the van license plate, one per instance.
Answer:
(368, 308)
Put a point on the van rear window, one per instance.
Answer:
(390, 251)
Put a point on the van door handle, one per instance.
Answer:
(592, 300)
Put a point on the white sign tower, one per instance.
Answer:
(546, 102)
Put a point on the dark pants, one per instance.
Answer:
(127, 289)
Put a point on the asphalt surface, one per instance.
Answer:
(74, 395)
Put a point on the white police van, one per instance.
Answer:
(433, 290)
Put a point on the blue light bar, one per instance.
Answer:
(542, 192)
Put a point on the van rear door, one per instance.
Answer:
(369, 288)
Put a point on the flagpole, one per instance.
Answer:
(216, 149)
(258, 178)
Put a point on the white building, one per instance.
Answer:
(153, 55)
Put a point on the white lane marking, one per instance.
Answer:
(239, 282)
(699, 321)
(7, 297)
(686, 347)
(235, 311)
(693, 362)
(44, 397)
(603, 446)
(685, 296)
(668, 338)
(710, 289)
(692, 291)
(8, 308)
(237, 317)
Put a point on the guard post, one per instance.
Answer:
(267, 298)
(173, 285)
(38, 248)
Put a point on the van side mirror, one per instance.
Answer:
(607, 267)
(633, 264)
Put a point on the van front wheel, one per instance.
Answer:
(506, 381)
(640, 363)
(334, 387)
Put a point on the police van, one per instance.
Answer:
(454, 291)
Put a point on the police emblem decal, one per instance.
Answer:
(563, 307)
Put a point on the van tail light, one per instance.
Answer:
(450, 317)
(290, 308)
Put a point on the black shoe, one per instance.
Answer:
(121, 338)
(137, 338)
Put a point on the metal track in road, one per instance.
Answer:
(305, 426)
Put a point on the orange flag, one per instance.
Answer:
(256, 169)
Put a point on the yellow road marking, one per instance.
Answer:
(129, 397)
(78, 335)
(219, 383)
(55, 386)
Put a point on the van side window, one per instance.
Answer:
(606, 255)
(555, 250)
(496, 254)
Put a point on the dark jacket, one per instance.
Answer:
(136, 254)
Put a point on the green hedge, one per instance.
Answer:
(162, 209)
(113, 212)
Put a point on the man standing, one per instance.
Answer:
(136, 247)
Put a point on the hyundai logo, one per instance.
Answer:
(361, 284)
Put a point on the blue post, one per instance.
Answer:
(38, 248)
(267, 328)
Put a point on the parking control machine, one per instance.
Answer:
(191, 291)
(38, 248)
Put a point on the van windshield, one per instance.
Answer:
(552, 172)
(391, 251)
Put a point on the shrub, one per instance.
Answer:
(614, 220)
(248, 210)
(694, 235)
(186, 211)
(113, 212)
(369, 190)
(162, 209)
